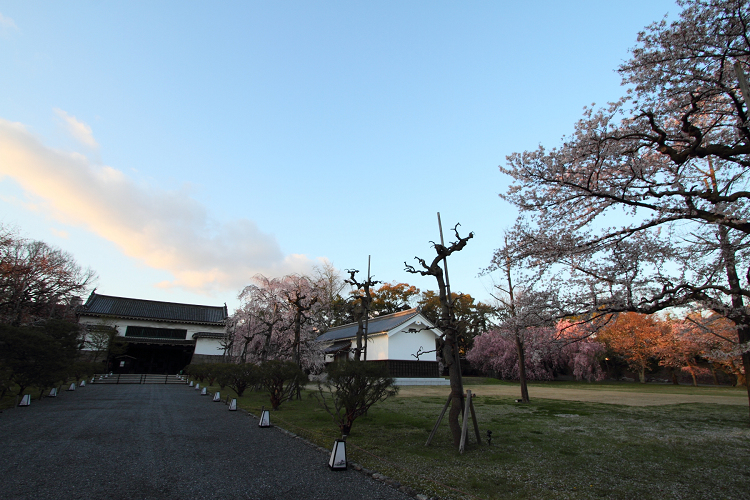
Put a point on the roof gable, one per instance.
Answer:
(379, 325)
(122, 307)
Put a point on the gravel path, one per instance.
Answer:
(160, 442)
(627, 398)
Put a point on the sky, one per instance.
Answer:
(180, 148)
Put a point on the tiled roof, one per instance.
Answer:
(121, 307)
(376, 325)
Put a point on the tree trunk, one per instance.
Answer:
(642, 375)
(744, 336)
(450, 355)
(692, 375)
(522, 369)
(360, 333)
(715, 377)
(738, 304)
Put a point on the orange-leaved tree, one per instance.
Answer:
(635, 337)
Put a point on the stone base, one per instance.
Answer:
(201, 359)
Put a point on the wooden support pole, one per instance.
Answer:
(474, 418)
(456, 354)
(440, 419)
(465, 426)
(367, 310)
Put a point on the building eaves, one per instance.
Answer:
(378, 325)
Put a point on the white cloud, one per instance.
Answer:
(77, 129)
(166, 229)
(7, 24)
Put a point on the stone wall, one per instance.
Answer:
(200, 359)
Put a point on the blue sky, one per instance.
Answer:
(178, 148)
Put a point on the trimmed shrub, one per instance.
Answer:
(351, 388)
(281, 379)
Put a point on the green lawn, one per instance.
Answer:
(548, 449)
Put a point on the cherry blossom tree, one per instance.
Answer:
(257, 325)
(304, 299)
(645, 206)
(279, 319)
(547, 354)
(712, 338)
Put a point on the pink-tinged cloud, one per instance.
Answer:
(77, 129)
(166, 229)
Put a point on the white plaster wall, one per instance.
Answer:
(402, 345)
(122, 324)
(377, 347)
(208, 346)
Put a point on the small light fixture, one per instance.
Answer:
(265, 418)
(72, 387)
(26, 400)
(217, 397)
(197, 386)
(338, 455)
(233, 405)
(204, 392)
(53, 392)
(191, 384)
(82, 384)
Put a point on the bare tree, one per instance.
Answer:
(448, 343)
(36, 279)
(361, 303)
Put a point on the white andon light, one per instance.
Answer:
(217, 397)
(203, 392)
(82, 384)
(53, 392)
(92, 380)
(233, 405)
(197, 386)
(338, 455)
(72, 387)
(265, 418)
(190, 384)
(25, 400)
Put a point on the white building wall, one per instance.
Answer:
(402, 345)
(207, 345)
(211, 347)
(377, 347)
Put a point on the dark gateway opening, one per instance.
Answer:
(145, 356)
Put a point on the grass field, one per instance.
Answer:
(550, 448)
